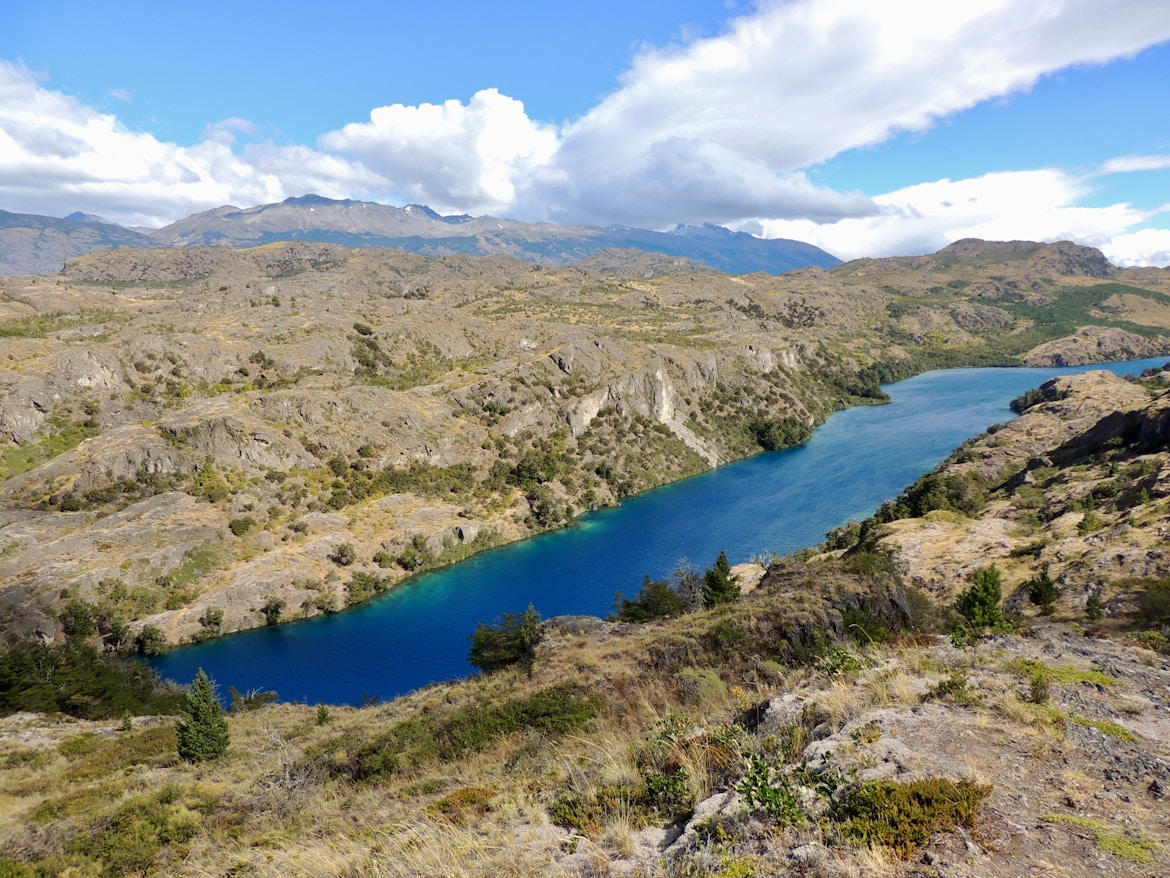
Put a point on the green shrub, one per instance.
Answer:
(240, 526)
(1093, 608)
(77, 680)
(272, 610)
(419, 739)
(904, 817)
(511, 641)
(954, 688)
(150, 641)
(772, 791)
(656, 600)
(343, 554)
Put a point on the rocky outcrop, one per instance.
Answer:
(1096, 344)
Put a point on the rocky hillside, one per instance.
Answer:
(823, 724)
(202, 440)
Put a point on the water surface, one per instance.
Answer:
(777, 502)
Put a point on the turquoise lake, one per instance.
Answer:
(774, 503)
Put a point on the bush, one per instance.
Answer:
(510, 642)
(203, 730)
(150, 641)
(77, 680)
(656, 600)
(904, 816)
(272, 610)
(1094, 610)
(343, 554)
(240, 526)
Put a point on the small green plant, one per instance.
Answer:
(324, 716)
(1139, 850)
(954, 688)
(771, 790)
(838, 662)
(979, 604)
(1038, 688)
(1090, 522)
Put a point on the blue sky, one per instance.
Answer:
(866, 128)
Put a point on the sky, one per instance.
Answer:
(867, 128)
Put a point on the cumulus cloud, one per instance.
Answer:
(796, 83)
(58, 155)
(1144, 247)
(452, 156)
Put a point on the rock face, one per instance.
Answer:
(1095, 344)
(1092, 456)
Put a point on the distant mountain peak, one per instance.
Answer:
(453, 219)
(312, 200)
(706, 230)
(78, 217)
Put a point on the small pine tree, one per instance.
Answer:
(1042, 591)
(719, 586)
(1093, 608)
(202, 729)
(980, 603)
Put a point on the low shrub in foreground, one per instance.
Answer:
(902, 817)
(556, 710)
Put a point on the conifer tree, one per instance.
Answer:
(202, 728)
(719, 586)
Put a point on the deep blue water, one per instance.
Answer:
(777, 502)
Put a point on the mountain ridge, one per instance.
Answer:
(416, 228)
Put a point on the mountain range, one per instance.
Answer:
(32, 244)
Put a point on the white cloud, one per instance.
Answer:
(796, 83)
(58, 155)
(1018, 205)
(226, 131)
(1144, 247)
(717, 129)
(1131, 163)
(453, 156)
